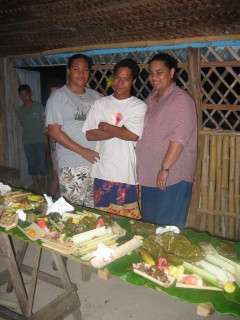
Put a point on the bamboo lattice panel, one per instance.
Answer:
(220, 85)
(104, 65)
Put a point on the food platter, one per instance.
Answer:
(33, 232)
(8, 220)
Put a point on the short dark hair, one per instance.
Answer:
(24, 87)
(80, 56)
(169, 61)
(130, 64)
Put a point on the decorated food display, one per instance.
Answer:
(184, 263)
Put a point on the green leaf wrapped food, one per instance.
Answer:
(176, 248)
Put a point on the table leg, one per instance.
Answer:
(19, 259)
(65, 304)
(15, 275)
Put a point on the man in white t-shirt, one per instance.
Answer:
(116, 123)
(66, 112)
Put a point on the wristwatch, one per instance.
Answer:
(163, 169)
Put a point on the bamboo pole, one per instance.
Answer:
(237, 185)
(224, 183)
(231, 183)
(210, 132)
(212, 181)
(227, 214)
(224, 215)
(218, 181)
(237, 177)
(204, 182)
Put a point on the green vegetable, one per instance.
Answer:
(222, 275)
(94, 247)
(225, 264)
(206, 275)
(97, 240)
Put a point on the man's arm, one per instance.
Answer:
(173, 152)
(118, 132)
(107, 131)
(55, 131)
(98, 135)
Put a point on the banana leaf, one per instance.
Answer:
(222, 302)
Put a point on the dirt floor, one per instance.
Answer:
(111, 299)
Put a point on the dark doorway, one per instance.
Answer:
(46, 75)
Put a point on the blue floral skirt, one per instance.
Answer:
(116, 197)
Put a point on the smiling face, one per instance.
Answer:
(160, 76)
(122, 83)
(78, 75)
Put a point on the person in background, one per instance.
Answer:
(30, 116)
(53, 85)
(66, 112)
(167, 153)
(116, 123)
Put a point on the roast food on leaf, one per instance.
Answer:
(73, 227)
(143, 228)
(176, 248)
(154, 274)
(226, 250)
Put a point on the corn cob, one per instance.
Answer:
(146, 256)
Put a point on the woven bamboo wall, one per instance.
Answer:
(219, 207)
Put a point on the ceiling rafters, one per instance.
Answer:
(37, 26)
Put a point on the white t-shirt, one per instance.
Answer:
(117, 157)
(70, 110)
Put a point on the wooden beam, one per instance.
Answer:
(133, 44)
(221, 107)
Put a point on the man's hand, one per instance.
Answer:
(102, 125)
(90, 155)
(162, 180)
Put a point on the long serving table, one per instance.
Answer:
(68, 302)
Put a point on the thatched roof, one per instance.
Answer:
(45, 26)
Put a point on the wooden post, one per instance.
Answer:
(194, 72)
(205, 309)
(2, 113)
